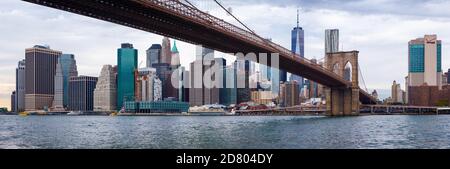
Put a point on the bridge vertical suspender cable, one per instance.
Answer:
(362, 78)
(253, 32)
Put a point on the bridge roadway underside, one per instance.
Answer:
(150, 18)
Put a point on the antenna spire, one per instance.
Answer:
(298, 18)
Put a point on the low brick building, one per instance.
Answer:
(429, 95)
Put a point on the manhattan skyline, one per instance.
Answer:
(380, 37)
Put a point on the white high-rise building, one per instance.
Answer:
(58, 102)
(105, 93)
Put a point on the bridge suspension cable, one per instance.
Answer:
(362, 78)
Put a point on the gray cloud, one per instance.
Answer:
(379, 29)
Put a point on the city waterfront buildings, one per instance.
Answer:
(262, 97)
(40, 69)
(19, 105)
(81, 93)
(156, 107)
(105, 93)
(127, 58)
(425, 70)
(198, 92)
(331, 40)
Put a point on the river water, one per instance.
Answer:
(259, 132)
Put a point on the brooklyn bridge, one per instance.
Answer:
(185, 22)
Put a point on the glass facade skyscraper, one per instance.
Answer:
(425, 61)
(69, 69)
(298, 47)
(81, 93)
(127, 58)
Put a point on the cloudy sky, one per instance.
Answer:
(379, 29)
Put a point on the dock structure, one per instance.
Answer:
(403, 109)
(285, 111)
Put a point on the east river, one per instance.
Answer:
(259, 132)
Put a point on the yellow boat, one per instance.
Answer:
(113, 114)
(23, 114)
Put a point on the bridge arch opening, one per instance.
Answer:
(348, 71)
(336, 68)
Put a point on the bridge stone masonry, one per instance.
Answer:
(343, 100)
(180, 21)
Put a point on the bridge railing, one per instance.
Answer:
(199, 16)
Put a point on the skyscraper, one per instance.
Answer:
(243, 81)
(230, 85)
(40, 77)
(175, 61)
(69, 69)
(196, 83)
(289, 94)
(164, 73)
(331, 40)
(58, 103)
(298, 47)
(425, 65)
(214, 92)
(166, 54)
(154, 55)
(20, 87)
(396, 93)
(105, 93)
(424, 80)
(81, 93)
(127, 58)
(197, 91)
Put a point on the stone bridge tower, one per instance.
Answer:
(343, 101)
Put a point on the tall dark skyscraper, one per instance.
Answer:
(39, 77)
(20, 87)
(127, 58)
(298, 47)
(154, 55)
(81, 93)
(243, 74)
